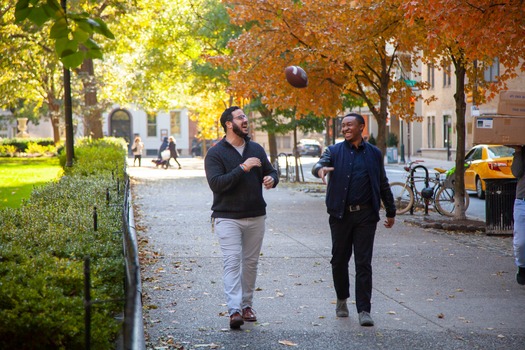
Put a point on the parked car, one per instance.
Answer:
(487, 162)
(309, 148)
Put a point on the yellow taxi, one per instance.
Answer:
(487, 162)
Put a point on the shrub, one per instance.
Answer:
(22, 144)
(392, 140)
(42, 250)
(38, 149)
(7, 150)
(93, 156)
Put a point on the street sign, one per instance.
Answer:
(410, 83)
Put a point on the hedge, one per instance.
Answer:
(42, 249)
(22, 144)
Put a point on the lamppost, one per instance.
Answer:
(402, 142)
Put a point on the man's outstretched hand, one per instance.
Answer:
(323, 171)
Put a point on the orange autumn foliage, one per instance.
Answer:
(346, 47)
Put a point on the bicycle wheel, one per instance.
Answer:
(403, 197)
(444, 201)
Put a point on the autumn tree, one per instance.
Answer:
(470, 36)
(345, 47)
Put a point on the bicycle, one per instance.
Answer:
(416, 190)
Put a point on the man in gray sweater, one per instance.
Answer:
(518, 170)
(237, 169)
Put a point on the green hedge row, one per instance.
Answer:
(22, 144)
(42, 250)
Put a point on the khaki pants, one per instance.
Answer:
(240, 241)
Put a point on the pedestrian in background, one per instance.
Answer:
(137, 148)
(172, 146)
(236, 170)
(518, 170)
(357, 184)
(163, 146)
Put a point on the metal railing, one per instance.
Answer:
(133, 333)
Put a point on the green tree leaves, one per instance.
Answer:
(72, 32)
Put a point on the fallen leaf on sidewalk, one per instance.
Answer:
(211, 346)
(441, 315)
(391, 312)
(287, 343)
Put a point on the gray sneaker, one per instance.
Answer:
(520, 275)
(341, 310)
(365, 319)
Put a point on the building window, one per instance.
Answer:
(431, 130)
(430, 75)
(447, 72)
(175, 123)
(152, 125)
(4, 128)
(491, 73)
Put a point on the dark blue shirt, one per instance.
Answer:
(359, 190)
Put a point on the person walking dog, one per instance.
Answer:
(172, 146)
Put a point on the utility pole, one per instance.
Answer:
(68, 111)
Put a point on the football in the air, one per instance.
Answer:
(296, 76)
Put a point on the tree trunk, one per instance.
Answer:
(459, 96)
(272, 145)
(381, 114)
(296, 154)
(92, 112)
(267, 117)
(54, 114)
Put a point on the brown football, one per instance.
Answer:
(296, 76)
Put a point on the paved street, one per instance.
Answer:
(432, 289)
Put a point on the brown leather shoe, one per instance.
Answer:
(248, 314)
(236, 321)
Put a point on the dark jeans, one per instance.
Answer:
(355, 231)
(175, 159)
(137, 156)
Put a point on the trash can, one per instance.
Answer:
(391, 155)
(499, 206)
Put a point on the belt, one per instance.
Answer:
(352, 208)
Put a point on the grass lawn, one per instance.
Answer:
(18, 176)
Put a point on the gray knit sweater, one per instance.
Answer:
(237, 194)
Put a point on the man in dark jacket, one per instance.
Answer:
(236, 170)
(357, 184)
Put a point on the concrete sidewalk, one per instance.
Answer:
(432, 289)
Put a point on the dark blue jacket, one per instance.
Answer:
(164, 145)
(237, 194)
(336, 193)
